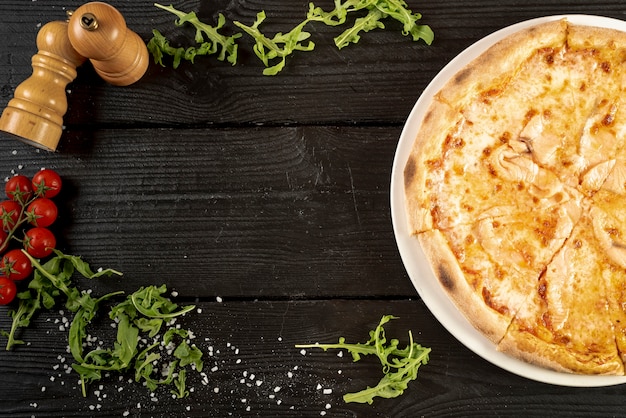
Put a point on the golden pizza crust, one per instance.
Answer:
(501, 61)
(490, 322)
(557, 356)
(427, 151)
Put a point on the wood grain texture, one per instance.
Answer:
(259, 372)
(244, 210)
(269, 193)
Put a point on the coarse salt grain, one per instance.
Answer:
(327, 391)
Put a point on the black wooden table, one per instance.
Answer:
(264, 200)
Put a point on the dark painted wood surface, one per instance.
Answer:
(265, 201)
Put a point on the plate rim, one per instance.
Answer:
(432, 294)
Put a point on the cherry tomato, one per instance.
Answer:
(9, 213)
(39, 242)
(15, 265)
(19, 188)
(42, 212)
(8, 290)
(46, 183)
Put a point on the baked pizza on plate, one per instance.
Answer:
(509, 199)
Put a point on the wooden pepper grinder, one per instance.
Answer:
(98, 31)
(35, 114)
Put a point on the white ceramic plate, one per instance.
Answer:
(413, 258)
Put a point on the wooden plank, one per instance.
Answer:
(377, 80)
(256, 366)
(272, 212)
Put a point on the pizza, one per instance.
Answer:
(515, 187)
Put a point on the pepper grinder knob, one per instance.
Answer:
(35, 113)
(98, 31)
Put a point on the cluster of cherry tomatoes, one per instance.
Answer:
(25, 216)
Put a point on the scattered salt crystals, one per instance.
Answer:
(259, 382)
(216, 390)
(219, 299)
(14, 152)
(126, 413)
(280, 338)
(277, 389)
(289, 375)
(322, 413)
(244, 400)
(34, 404)
(340, 354)
(199, 310)
(318, 387)
(43, 388)
(303, 352)
(174, 293)
(339, 372)
(328, 406)
(238, 361)
(327, 391)
(214, 368)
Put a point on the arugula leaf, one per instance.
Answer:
(208, 38)
(189, 355)
(181, 391)
(50, 280)
(376, 11)
(150, 303)
(400, 366)
(280, 46)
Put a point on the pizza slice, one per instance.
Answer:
(566, 322)
(490, 267)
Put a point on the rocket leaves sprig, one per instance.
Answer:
(273, 51)
(399, 365)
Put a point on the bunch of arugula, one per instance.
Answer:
(280, 46)
(399, 365)
(146, 311)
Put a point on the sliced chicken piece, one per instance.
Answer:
(616, 180)
(596, 176)
(609, 235)
(542, 144)
(517, 167)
